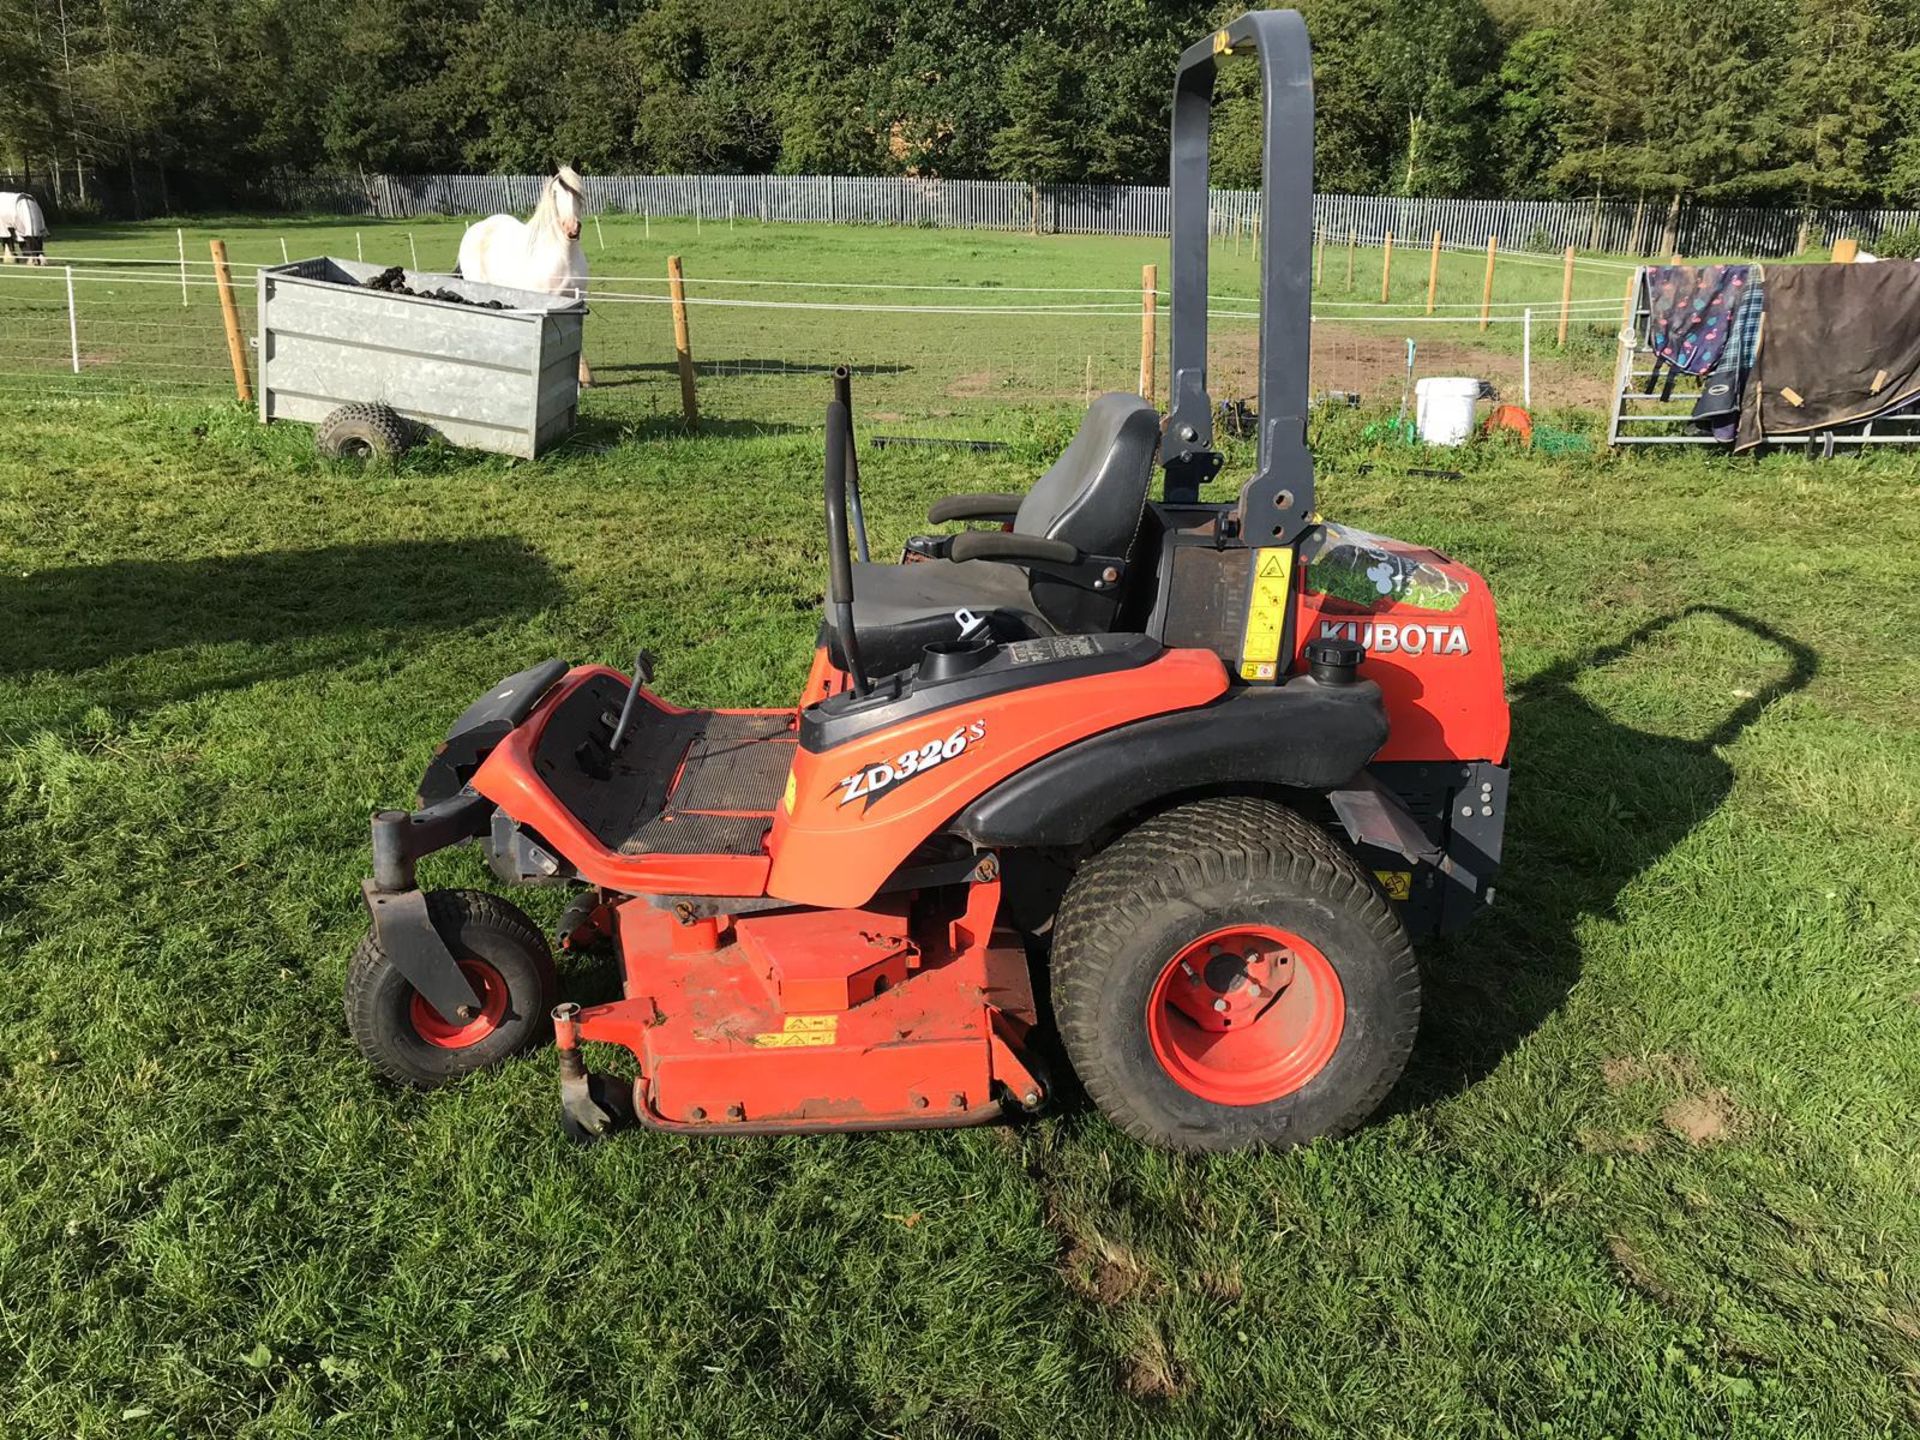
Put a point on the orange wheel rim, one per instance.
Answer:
(1246, 1015)
(458, 1035)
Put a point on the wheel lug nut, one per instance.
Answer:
(1221, 1003)
(1254, 991)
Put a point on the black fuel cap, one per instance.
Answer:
(1334, 661)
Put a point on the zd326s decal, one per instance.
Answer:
(870, 782)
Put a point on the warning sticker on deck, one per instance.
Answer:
(1397, 883)
(800, 1030)
(1266, 614)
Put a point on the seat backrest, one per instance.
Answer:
(1092, 497)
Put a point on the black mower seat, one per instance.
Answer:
(900, 609)
(1092, 498)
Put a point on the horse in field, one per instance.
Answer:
(23, 228)
(543, 254)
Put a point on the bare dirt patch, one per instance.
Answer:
(1151, 1372)
(1658, 1068)
(1103, 1270)
(1371, 361)
(972, 385)
(1700, 1119)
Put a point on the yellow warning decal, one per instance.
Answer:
(1397, 883)
(1266, 614)
(800, 1030)
(787, 800)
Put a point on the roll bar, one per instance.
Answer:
(1276, 502)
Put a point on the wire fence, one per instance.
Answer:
(1631, 227)
(934, 360)
(1646, 226)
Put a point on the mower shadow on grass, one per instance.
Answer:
(1596, 803)
(751, 365)
(303, 608)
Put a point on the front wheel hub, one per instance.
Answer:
(473, 1025)
(1245, 1015)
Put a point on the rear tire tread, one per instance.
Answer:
(1207, 844)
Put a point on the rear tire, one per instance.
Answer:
(363, 431)
(1236, 906)
(499, 950)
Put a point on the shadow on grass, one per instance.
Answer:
(76, 618)
(1595, 803)
(728, 369)
(610, 430)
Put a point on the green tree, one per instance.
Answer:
(1039, 141)
(1829, 113)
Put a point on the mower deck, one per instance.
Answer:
(820, 1019)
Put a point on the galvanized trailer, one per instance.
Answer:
(501, 380)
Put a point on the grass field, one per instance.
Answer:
(993, 326)
(1652, 1172)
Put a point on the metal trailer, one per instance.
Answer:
(500, 380)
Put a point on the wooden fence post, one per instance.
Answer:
(1486, 289)
(682, 344)
(1149, 320)
(1386, 270)
(1566, 298)
(1353, 235)
(230, 316)
(1433, 272)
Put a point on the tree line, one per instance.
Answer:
(1803, 102)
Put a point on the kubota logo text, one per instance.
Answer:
(873, 781)
(1384, 637)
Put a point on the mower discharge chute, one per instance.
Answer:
(1210, 763)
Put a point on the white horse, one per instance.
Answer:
(23, 228)
(544, 254)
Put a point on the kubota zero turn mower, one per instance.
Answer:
(1209, 764)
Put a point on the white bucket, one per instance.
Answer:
(1443, 408)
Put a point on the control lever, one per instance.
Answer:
(642, 675)
(929, 547)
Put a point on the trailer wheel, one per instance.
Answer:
(363, 431)
(506, 959)
(1226, 976)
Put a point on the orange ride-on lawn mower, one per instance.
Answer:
(1209, 764)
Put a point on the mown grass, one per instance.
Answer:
(1652, 1172)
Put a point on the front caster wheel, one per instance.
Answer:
(1225, 976)
(506, 959)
